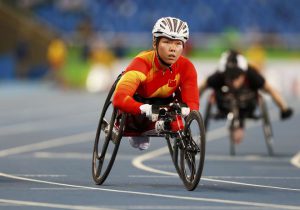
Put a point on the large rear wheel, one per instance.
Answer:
(107, 141)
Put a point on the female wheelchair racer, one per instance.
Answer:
(185, 138)
(155, 76)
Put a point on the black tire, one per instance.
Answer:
(267, 128)
(192, 154)
(107, 143)
(105, 147)
(207, 113)
(173, 149)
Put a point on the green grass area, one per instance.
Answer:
(76, 69)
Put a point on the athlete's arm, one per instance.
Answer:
(127, 87)
(189, 86)
(275, 96)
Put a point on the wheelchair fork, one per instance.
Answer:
(184, 142)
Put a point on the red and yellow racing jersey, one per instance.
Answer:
(146, 77)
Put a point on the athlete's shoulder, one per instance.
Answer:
(142, 62)
(146, 55)
(252, 71)
(182, 60)
(252, 68)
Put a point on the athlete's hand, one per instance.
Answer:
(285, 114)
(185, 111)
(147, 110)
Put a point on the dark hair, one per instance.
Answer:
(232, 73)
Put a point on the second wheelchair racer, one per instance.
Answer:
(242, 80)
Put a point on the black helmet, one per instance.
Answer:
(232, 59)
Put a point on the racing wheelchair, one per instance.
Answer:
(185, 139)
(233, 106)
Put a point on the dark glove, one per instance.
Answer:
(285, 114)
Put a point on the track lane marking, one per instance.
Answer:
(61, 141)
(42, 125)
(138, 163)
(51, 205)
(245, 203)
(214, 135)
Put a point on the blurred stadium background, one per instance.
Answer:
(76, 43)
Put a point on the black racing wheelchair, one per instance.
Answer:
(185, 140)
(235, 107)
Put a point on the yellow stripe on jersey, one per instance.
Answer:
(131, 77)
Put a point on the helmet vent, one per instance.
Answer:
(179, 27)
(162, 26)
(170, 24)
(172, 28)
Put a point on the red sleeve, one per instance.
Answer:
(189, 86)
(127, 86)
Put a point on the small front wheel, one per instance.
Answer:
(192, 153)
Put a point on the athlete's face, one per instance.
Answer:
(169, 50)
(238, 82)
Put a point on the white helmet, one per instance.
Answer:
(172, 28)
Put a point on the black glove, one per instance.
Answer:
(285, 114)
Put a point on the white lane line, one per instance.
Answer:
(187, 207)
(56, 188)
(41, 175)
(296, 160)
(50, 205)
(49, 124)
(248, 158)
(75, 155)
(138, 163)
(253, 177)
(213, 135)
(227, 207)
(219, 177)
(62, 141)
(45, 110)
(245, 203)
(63, 155)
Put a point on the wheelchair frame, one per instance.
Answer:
(187, 150)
